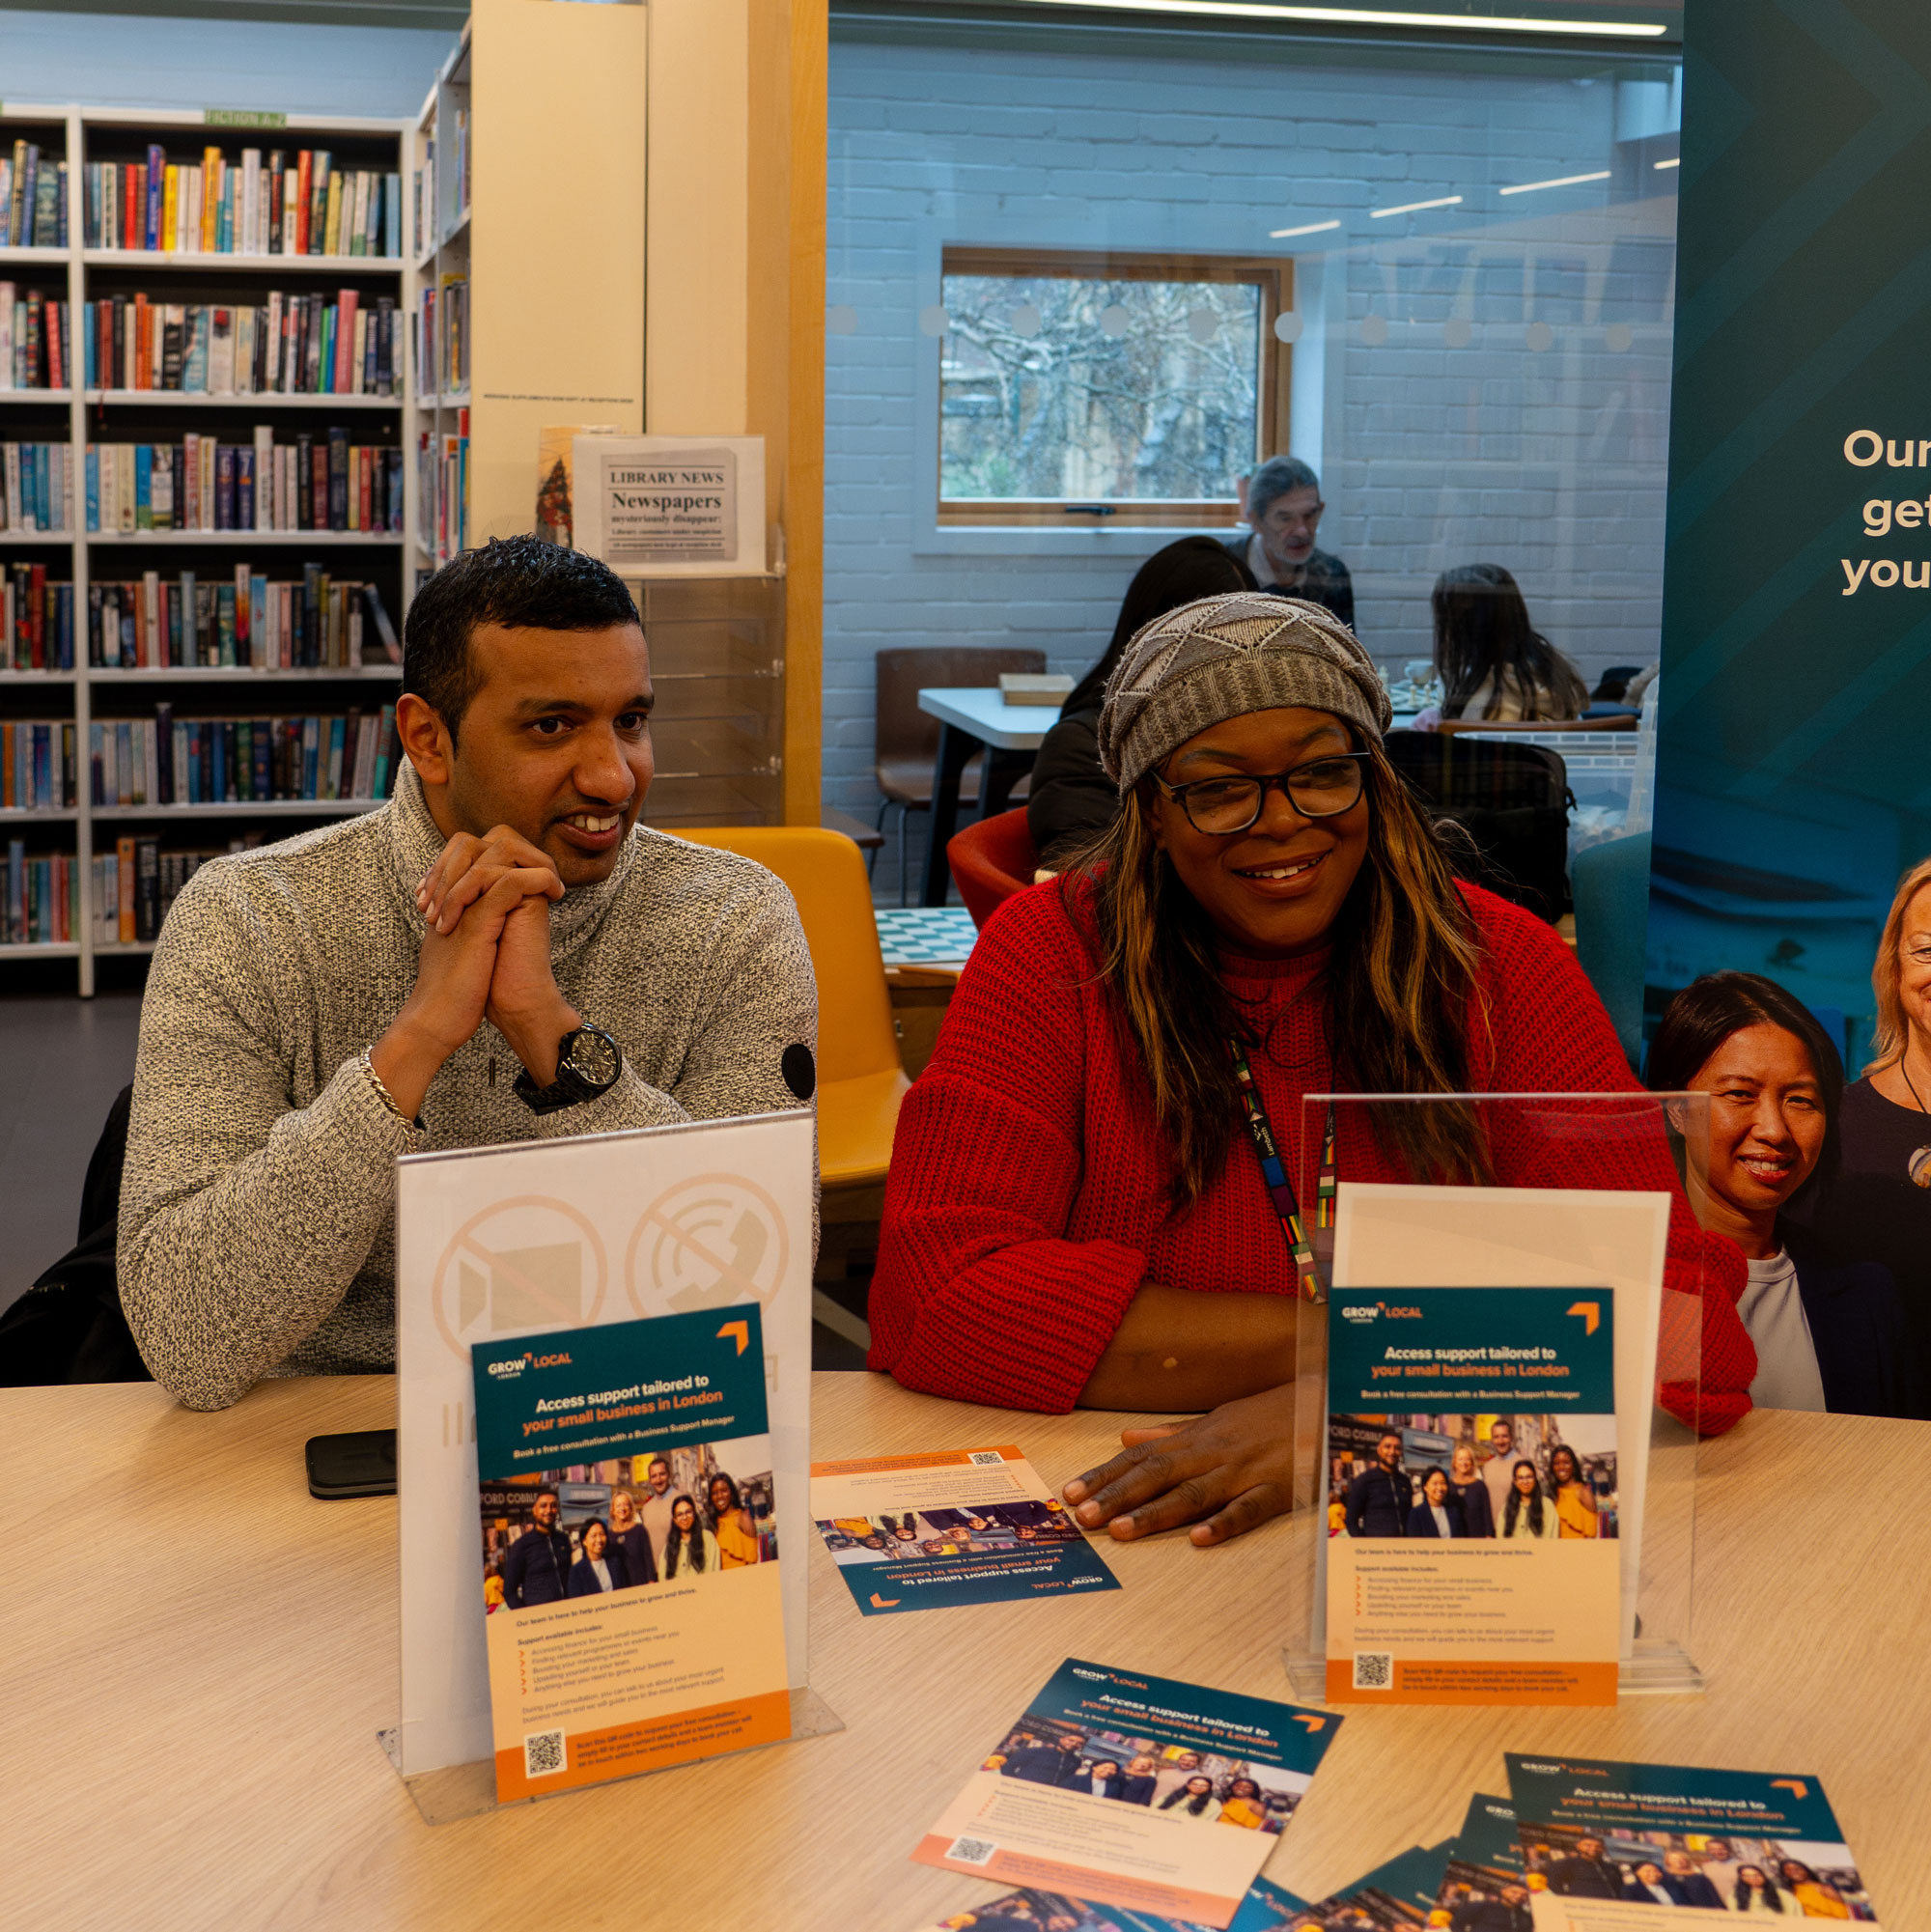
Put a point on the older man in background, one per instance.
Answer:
(1282, 505)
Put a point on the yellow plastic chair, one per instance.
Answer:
(860, 1077)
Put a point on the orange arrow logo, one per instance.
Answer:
(743, 1331)
(1796, 1786)
(1313, 1723)
(1591, 1313)
(884, 1603)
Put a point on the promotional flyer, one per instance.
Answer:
(1616, 1847)
(951, 1526)
(1393, 1897)
(1472, 1471)
(631, 1574)
(1162, 1797)
(1485, 1888)
(1267, 1908)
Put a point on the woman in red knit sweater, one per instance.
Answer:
(1076, 1212)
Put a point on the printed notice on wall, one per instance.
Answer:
(1472, 1496)
(630, 1575)
(656, 506)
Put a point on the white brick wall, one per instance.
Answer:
(1551, 464)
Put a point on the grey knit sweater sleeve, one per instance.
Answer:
(242, 1219)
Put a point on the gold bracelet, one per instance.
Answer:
(388, 1098)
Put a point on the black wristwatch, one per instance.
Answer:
(588, 1062)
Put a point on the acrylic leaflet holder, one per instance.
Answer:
(1576, 1193)
(497, 1244)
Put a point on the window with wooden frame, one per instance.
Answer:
(1086, 388)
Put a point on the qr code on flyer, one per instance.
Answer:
(1374, 1670)
(543, 1753)
(972, 1851)
(986, 1457)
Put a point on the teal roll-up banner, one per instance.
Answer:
(1794, 763)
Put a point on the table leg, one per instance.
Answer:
(1003, 771)
(956, 748)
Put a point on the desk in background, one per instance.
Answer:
(201, 1656)
(971, 720)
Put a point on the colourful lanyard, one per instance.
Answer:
(1274, 1171)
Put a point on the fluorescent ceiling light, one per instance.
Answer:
(1312, 227)
(1375, 16)
(1412, 208)
(1561, 181)
(1677, 162)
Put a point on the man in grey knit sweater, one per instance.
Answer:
(500, 953)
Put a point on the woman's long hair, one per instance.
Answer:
(1399, 985)
(1513, 1512)
(1482, 632)
(1887, 976)
(1575, 1466)
(692, 1546)
(732, 1509)
(1773, 1893)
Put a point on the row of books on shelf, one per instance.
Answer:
(37, 765)
(36, 350)
(36, 487)
(241, 761)
(307, 482)
(36, 620)
(442, 337)
(135, 885)
(299, 203)
(39, 909)
(425, 209)
(286, 345)
(33, 199)
(442, 465)
(316, 622)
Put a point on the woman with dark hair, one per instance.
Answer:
(1492, 661)
(1244, 1805)
(1438, 1512)
(1072, 799)
(1527, 1514)
(1092, 1197)
(1193, 1797)
(1757, 1892)
(1877, 1204)
(1829, 1333)
(1103, 1777)
(731, 1524)
(1574, 1500)
(690, 1548)
(600, 1566)
(1816, 1897)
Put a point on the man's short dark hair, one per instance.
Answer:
(546, 1491)
(1277, 477)
(520, 583)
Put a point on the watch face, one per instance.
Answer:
(592, 1056)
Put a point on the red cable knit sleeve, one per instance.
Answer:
(1553, 1036)
(978, 1295)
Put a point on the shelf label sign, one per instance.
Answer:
(241, 117)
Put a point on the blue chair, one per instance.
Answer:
(1609, 885)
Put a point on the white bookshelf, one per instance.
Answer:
(88, 693)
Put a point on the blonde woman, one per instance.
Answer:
(1466, 1485)
(1092, 1197)
(1877, 1205)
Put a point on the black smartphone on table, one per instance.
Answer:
(360, 1464)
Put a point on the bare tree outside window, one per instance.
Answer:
(1136, 390)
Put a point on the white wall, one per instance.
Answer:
(113, 60)
(1434, 451)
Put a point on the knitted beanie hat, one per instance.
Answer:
(1223, 656)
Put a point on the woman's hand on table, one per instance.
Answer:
(1223, 1473)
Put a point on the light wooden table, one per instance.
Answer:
(199, 1657)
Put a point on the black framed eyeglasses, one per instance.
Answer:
(1322, 788)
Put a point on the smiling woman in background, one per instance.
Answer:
(1077, 1209)
(1829, 1333)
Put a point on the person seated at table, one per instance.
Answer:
(536, 1566)
(1141, 1780)
(1756, 1891)
(1830, 1333)
(1243, 1804)
(1071, 801)
(1574, 1500)
(499, 953)
(1491, 661)
(691, 1548)
(1193, 1797)
(1466, 1487)
(1438, 1512)
(731, 1524)
(1078, 1210)
(632, 1540)
(1527, 1514)
(600, 1566)
(1381, 1497)
(1282, 505)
